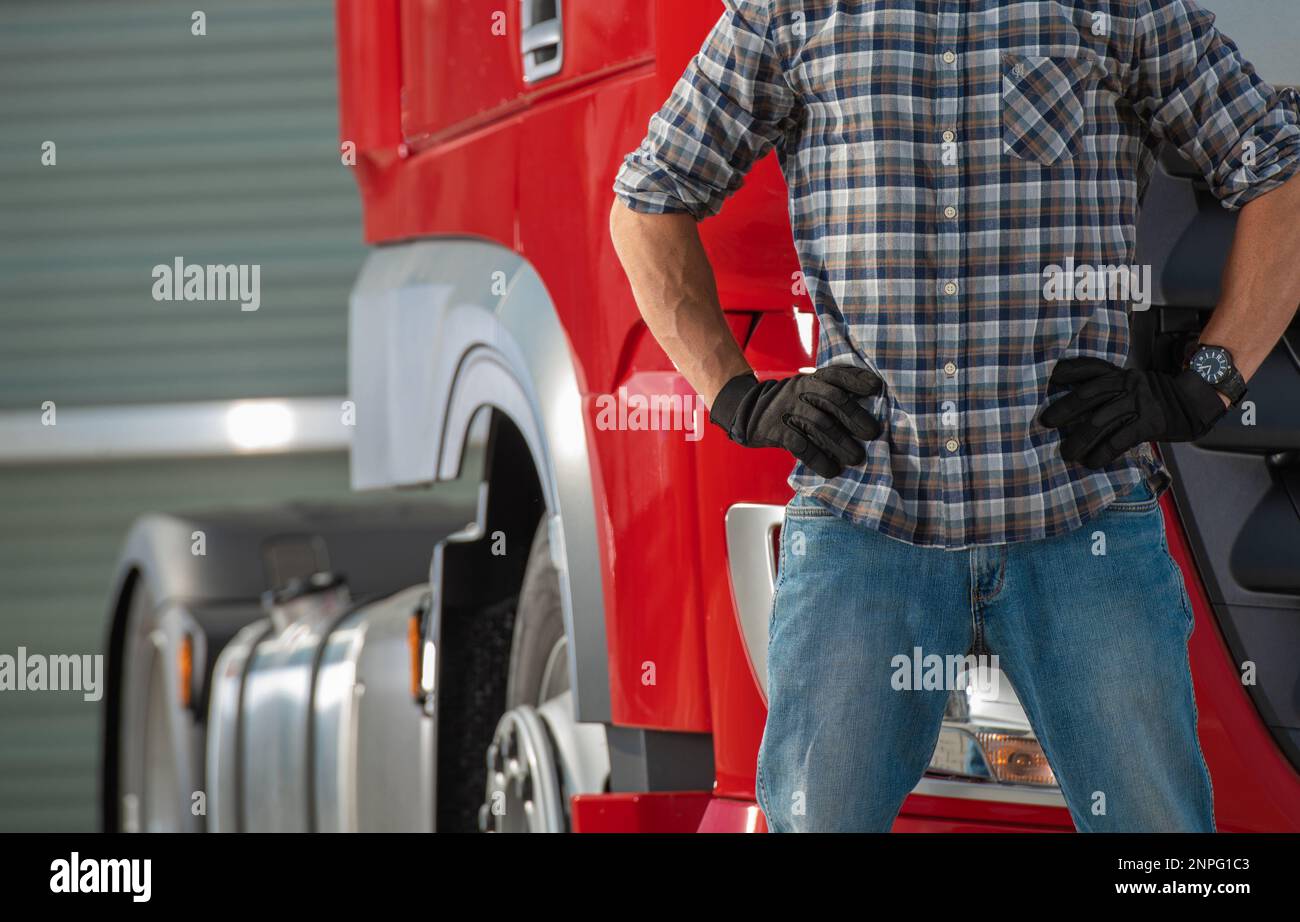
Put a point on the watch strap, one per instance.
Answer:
(1234, 385)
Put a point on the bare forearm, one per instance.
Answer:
(1261, 281)
(677, 295)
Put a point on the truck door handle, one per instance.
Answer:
(542, 43)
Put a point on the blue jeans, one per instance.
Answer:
(1091, 628)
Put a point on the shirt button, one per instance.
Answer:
(950, 212)
(950, 368)
(951, 444)
(950, 136)
(949, 57)
(950, 288)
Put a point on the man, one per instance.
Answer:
(967, 434)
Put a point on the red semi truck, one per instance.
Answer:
(589, 653)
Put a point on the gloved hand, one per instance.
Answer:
(1111, 409)
(815, 417)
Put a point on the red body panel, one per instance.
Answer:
(441, 48)
(474, 151)
(650, 812)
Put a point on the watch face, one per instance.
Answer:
(1212, 364)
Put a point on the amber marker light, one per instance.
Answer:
(185, 669)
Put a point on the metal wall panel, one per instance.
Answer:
(61, 529)
(1265, 31)
(219, 149)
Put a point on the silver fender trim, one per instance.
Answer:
(750, 529)
(224, 726)
(441, 328)
(373, 758)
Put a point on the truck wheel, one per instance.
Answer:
(538, 670)
(525, 783)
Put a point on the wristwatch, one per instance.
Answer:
(1215, 365)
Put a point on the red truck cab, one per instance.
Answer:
(504, 125)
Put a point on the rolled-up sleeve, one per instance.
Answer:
(730, 107)
(1194, 88)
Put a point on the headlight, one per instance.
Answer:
(986, 736)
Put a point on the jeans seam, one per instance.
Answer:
(976, 594)
(1190, 617)
(760, 770)
(1196, 735)
(780, 578)
(1133, 508)
(1002, 573)
(976, 617)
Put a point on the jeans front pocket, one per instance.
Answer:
(1139, 500)
(804, 517)
(1042, 105)
(801, 507)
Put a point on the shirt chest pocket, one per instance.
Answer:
(1043, 105)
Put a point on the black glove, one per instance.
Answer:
(1111, 409)
(816, 417)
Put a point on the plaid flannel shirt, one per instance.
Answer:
(940, 155)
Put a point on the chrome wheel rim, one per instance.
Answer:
(523, 785)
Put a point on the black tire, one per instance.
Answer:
(471, 692)
(538, 630)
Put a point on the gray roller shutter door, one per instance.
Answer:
(220, 149)
(61, 529)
